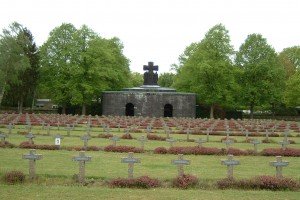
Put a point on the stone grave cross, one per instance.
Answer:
(285, 141)
(114, 140)
(180, 162)
(142, 140)
(32, 157)
(230, 163)
(85, 139)
(82, 158)
(68, 129)
(9, 127)
(30, 137)
(255, 142)
(279, 164)
(200, 141)
(228, 142)
(188, 132)
(2, 137)
(171, 141)
(130, 160)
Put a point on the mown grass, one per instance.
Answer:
(107, 165)
(32, 192)
(56, 169)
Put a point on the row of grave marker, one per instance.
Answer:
(284, 143)
(131, 160)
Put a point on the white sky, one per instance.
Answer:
(159, 30)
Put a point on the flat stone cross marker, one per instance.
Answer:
(3, 137)
(207, 135)
(180, 162)
(255, 142)
(267, 134)
(284, 143)
(85, 139)
(114, 140)
(228, 142)
(142, 140)
(279, 164)
(30, 137)
(130, 160)
(68, 129)
(188, 132)
(48, 129)
(149, 129)
(9, 127)
(32, 157)
(82, 158)
(230, 163)
(171, 141)
(247, 134)
(200, 141)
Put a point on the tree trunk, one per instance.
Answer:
(2, 93)
(83, 109)
(21, 105)
(251, 110)
(212, 107)
(63, 111)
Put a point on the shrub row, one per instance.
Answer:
(185, 181)
(127, 137)
(155, 137)
(121, 149)
(202, 151)
(28, 145)
(107, 136)
(142, 182)
(6, 144)
(259, 182)
(280, 152)
(13, 177)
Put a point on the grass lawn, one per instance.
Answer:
(32, 192)
(56, 169)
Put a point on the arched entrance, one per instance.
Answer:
(129, 109)
(168, 110)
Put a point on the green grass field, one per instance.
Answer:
(56, 169)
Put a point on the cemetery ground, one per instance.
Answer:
(56, 170)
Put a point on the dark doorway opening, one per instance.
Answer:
(168, 110)
(129, 109)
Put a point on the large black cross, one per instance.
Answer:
(150, 67)
(150, 78)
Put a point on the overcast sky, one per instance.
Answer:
(159, 30)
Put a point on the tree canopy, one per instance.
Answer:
(77, 65)
(206, 69)
(18, 64)
(262, 76)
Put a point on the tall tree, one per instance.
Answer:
(136, 79)
(206, 69)
(26, 86)
(262, 78)
(166, 79)
(13, 59)
(290, 59)
(292, 92)
(79, 65)
(58, 57)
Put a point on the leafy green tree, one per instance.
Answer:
(166, 79)
(26, 86)
(78, 65)
(206, 69)
(58, 57)
(136, 79)
(290, 59)
(13, 57)
(262, 78)
(292, 92)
